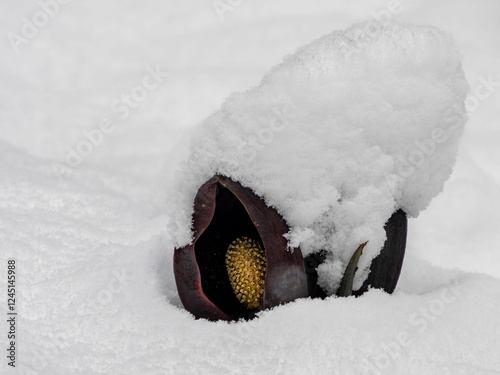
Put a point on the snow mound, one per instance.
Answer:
(344, 132)
(93, 276)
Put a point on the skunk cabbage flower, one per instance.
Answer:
(333, 142)
(238, 262)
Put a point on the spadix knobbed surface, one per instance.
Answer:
(338, 137)
(246, 268)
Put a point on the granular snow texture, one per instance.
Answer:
(95, 286)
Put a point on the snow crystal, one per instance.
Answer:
(341, 134)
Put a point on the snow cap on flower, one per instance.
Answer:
(350, 128)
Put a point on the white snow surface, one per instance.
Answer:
(350, 128)
(95, 287)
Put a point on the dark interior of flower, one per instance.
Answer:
(230, 221)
